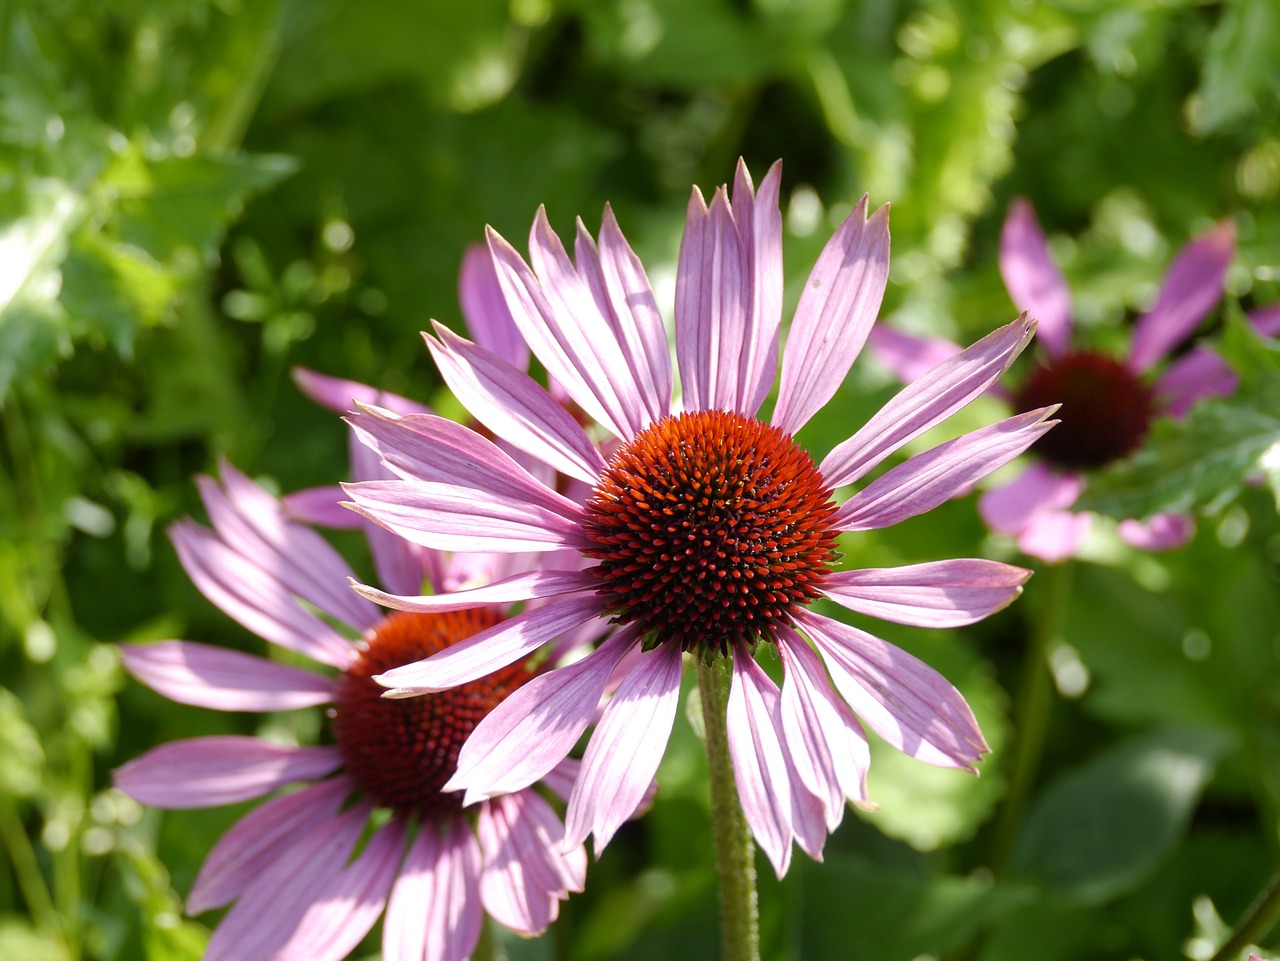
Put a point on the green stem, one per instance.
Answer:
(487, 947)
(735, 849)
(1256, 923)
(26, 869)
(1032, 709)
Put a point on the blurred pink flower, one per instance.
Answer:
(710, 530)
(299, 888)
(1108, 404)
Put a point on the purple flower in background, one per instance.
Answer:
(289, 869)
(1108, 403)
(708, 529)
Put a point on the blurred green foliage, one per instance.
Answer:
(196, 196)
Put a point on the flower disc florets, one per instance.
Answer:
(1105, 411)
(710, 527)
(401, 752)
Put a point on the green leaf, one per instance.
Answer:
(899, 914)
(1101, 830)
(1240, 65)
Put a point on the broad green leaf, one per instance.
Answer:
(1102, 829)
(891, 914)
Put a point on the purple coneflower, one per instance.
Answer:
(289, 870)
(711, 531)
(1108, 403)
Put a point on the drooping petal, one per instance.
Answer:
(712, 302)
(260, 838)
(1160, 532)
(205, 772)
(1197, 374)
(623, 754)
(927, 480)
(1054, 536)
(255, 599)
(344, 395)
(907, 356)
(840, 302)
(927, 401)
(269, 911)
(347, 908)
(485, 310)
(1033, 280)
(558, 318)
(759, 765)
(446, 517)
(321, 507)
(1189, 291)
(935, 594)
(483, 653)
(207, 676)
(898, 696)
(511, 404)
(524, 876)
(1008, 509)
(517, 587)
(759, 220)
(823, 738)
(533, 729)
(434, 913)
(625, 297)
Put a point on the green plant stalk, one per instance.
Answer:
(735, 848)
(1032, 708)
(1256, 923)
(26, 869)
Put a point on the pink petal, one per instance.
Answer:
(439, 451)
(446, 517)
(260, 838)
(518, 587)
(246, 592)
(321, 507)
(712, 303)
(347, 908)
(823, 739)
(935, 594)
(483, 653)
(759, 765)
(205, 772)
(512, 405)
(927, 401)
(1033, 281)
(927, 480)
(530, 732)
(898, 696)
(268, 912)
(1160, 532)
(1191, 288)
(1054, 536)
(434, 913)
(558, 318)
(834, 316)
(485, 310)
(760, 226)
(206, 676)
(908, 357)
(625, 299)
(1266, 320)
(1197, 374)
(623, 754)
(344, 395)
(524, 876)
(1009, 508)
